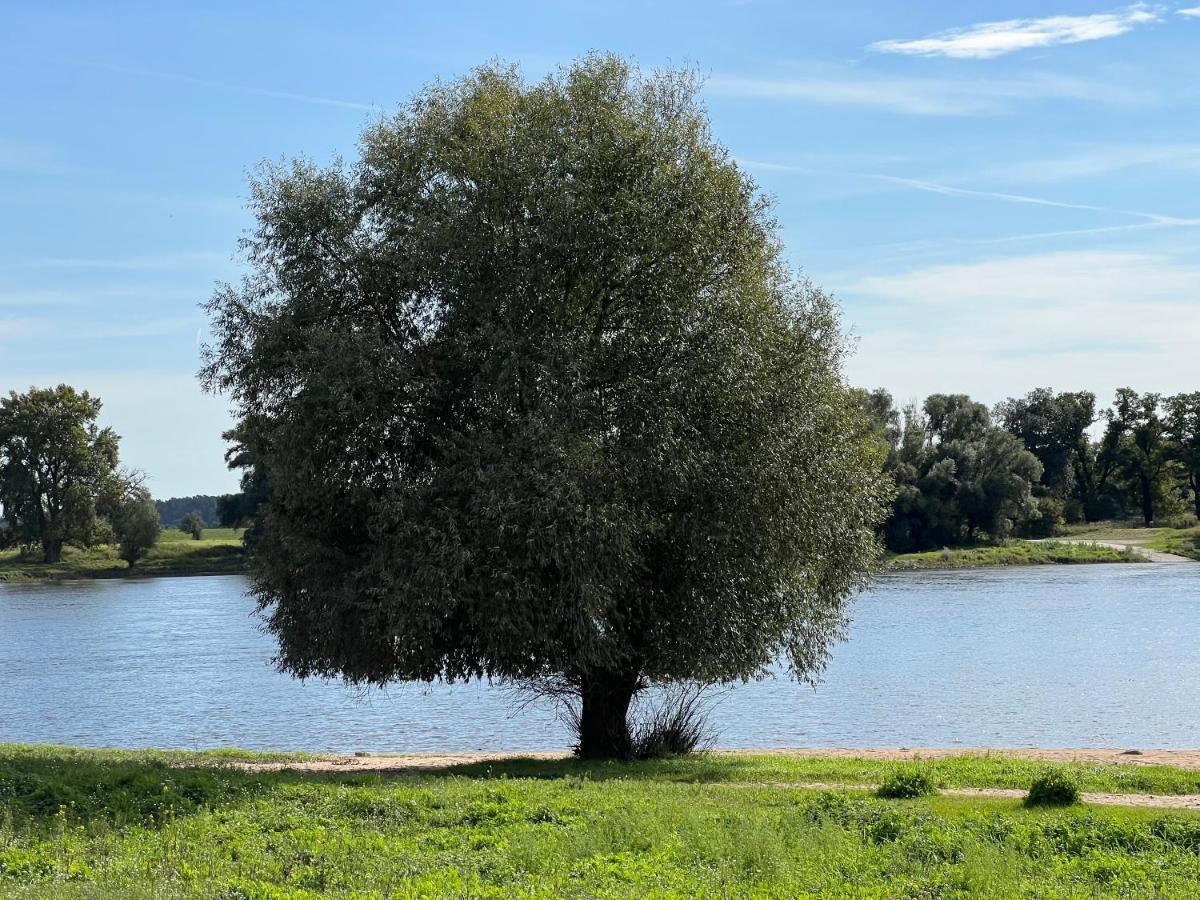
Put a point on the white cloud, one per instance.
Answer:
(998, 327)
(1193, 11)
(991, 39)
(228, 86)
(1093, 161)
(130, 263)
(926, 96)
(933, 187)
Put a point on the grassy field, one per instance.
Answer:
(1180, 541)
(94, 824)
(1014, 553)
(218, 553)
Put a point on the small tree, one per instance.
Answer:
(538, 398)
(193, 524)
(135, 524)
(55, 463)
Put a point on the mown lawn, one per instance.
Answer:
(1014, 553)
(219, 552)
(90, 824)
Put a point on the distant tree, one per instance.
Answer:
(135, 524)
(958, 477)
(1137, 435)
(55, 462)
(193, 524)
(1054, 428)
(538, 399)
(1183, 432)
(172, 510)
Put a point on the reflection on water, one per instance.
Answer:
(1078, 656)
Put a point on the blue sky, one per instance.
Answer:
(1001, 195)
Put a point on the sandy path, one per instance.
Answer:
(1156, 556)
(416, 763)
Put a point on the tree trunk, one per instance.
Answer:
(51, 550)
(1147, 499)
(604, 716)
(1196, 495)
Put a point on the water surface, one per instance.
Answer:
(1070, 656)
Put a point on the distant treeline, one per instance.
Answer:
(171, 512)
(964, 473)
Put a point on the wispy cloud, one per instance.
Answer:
(130, 263)
(1102, 160)
(926, 96)
(30, 159)
(229, 86)
(1193, 11)
(991, 39)
(933, 187)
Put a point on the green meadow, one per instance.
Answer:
(218, 552)
(99, 824)
(1012, 553)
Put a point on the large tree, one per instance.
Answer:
(1183, 430)
(538, 398)
(958, 477)
(1054, 428)
(1137, 434)
(56, 464)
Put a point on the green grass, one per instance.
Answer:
(218, 553)
(95, 824)
(1015, 553)
(1180, 541)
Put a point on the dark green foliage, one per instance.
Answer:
(192, 524)
(241, 509)
(1183, 432)
(906, 784)
(1054, 428)
(1054, 787)
(172, 511)
(135, 524)
(1136, 438)
(536, 395)
(958, 478)
(56, 465)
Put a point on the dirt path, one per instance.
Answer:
(1155, 556)
(415, 763)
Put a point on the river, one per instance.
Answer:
(1054, 656)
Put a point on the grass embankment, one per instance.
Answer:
(1180, 541)
(92, 824)
(219, 552)
(1014, 553)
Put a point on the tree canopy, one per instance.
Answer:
(959, 477)
(56, 464)
(538, 398)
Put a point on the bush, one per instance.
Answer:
(677, 726)
(1054, 787)
(906, 784)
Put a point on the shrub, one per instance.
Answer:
(1054, 787)
(678, 725)
(906, 784)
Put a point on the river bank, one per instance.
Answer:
(86, 823)
(218, 552)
